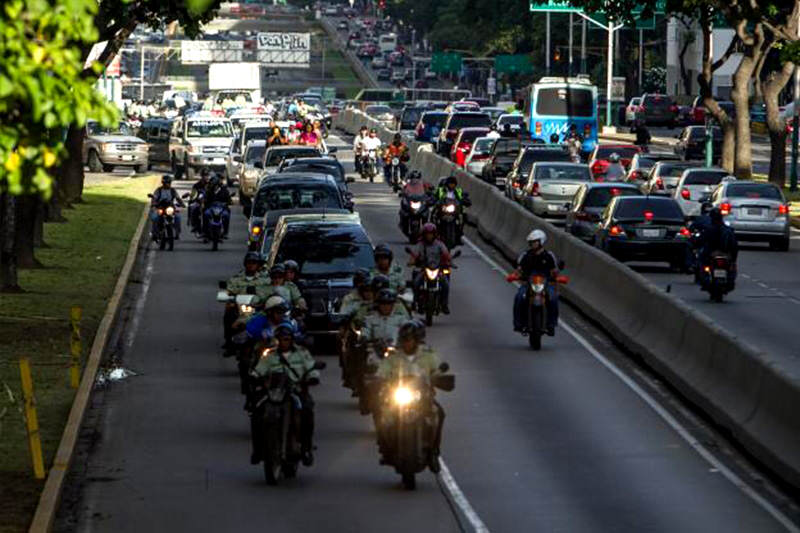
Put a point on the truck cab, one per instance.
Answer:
(197, 141)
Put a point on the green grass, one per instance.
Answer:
(82, 262)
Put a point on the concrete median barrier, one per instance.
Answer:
(733, 382)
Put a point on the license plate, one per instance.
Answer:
(754, 211)
(551, 207)
(651, 233)
(720, 274)
(218, 161)
(127, 157)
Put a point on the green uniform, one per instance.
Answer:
(424, 362)
(351, 303)
(397, 281)
(238, 283)
(384, 328)
(298, 358)
(288, 291)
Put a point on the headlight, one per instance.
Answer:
(104, 146)
(432, 273)
(395, 161)
(416, 205)
(170, 211)
(450, 208)
(404, 396)
(142, 147)
(245, 309)
(357, 332)
(160, 211)
(256, 230)
(537, 287)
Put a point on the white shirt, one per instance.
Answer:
(370, 143)
(493, 135)
(358, 142)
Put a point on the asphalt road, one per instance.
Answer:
(537, 442)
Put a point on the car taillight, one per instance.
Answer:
(725, 209)
(535, 189)
(635, 175)
(616, 230)
(538, 128)
(673, 108)
(684, 232)
(685, 194)
(600, 166)
(721, 262)
(648, 215)
(515, 184)
(463, 146)
(659, 183)
(783, 209)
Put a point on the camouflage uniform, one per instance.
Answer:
(397, 281)
(288, 291)
(299, 359)
(238, 283)
(384, 328)
(424, 362)
(351, 303)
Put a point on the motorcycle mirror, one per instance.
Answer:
(149, 195)
(185, 195)
(457, 253)
(444, 367)
(223, 284)
(445, 382)
(250, 289)
(320, 365)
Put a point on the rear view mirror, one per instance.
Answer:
(446, 382)
(444, 367)
(457, 253)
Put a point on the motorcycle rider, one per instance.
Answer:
(370, 142)
(238, 284)
(196, 200)
(217, 192)
(262, 325)
(642, 134)
(383, 265)
(353, 300)
(431, 251)
(536, 260)
(397, 148)
(358, 146)
(574, 144)
(718, 237)
(279, 286)
(381, 326)
(697, 227)
(451, 190)
(413, 187)
(615, 170)
(296, 362)
(166, 193)
(411, 357)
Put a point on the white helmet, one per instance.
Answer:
(537, 235)
(274, 301)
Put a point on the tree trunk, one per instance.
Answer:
(770, 90)
(687, 81)
(38, 225)
(71, 171)
(8, 259)
(740, 95)
(54, 206)
(24, 232)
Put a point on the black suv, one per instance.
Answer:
(504, 152)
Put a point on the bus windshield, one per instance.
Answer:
(565, 101)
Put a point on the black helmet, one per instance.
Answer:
(398, 137)
(205, 172)
(451, 179)
(277, 268)
(361, 277)
(214, 181)
(373, 130)
(412, 329)
(415, 175)
(386, 296)
(291, 264)
(706, 207)
(715, 215)
(382, 251)
(252, 257)
(380, 282)
(166, 179)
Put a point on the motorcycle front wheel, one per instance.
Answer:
(273, 466)
(170, 238)
(409, 481)
(535, 330)
(430, 308)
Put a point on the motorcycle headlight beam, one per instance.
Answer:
(404, 396)
(450, 208)
(416, 205)
(170, 211)
(432, 273)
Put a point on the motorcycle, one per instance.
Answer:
(716, 277)
(407, 422)
(215, 224)
(278, 403)
(448, 222)
(428, 299)
(395, 174)
(164, 226)
(369, 165)
(242, 345)
(415, 209)
(195, 207)
(536, 302)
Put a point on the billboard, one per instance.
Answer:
(284, 49)
(194, 52)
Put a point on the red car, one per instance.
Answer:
(463, 144)
(598, 160)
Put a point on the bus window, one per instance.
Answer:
(575, 102)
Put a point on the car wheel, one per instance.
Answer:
(94, 162)
(780, 245)
(139, 169)
(108, 168)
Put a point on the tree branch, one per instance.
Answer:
(728, 53)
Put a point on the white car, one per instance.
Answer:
(479, 155)
(695, 187)
(631, 109)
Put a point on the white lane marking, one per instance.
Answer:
(140, 301)
(458, 498)
(663, 413)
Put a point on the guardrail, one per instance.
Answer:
(739, 386)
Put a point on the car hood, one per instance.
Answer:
(116, 139)
(224, 142)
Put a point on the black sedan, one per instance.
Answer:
(587, 206)
(644, 228)
(692, 143)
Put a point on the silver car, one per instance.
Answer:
(756, 211)
(106, 148)
(479, 155)
(696, 186)
(551, 187)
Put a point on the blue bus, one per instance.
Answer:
(554, 104)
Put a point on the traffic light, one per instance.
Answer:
(557, 56)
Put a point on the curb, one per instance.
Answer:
(51, 493)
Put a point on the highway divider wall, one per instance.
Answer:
(740, 387)
(358, 67)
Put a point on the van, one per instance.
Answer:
(155, 132)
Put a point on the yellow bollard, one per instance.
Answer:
(76, 347)
(31, 420)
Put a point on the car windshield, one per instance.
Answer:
(483, 145)
(644, 163)
(378, 109)
(434, 119)
(254, 154)
(625, 152)
(753, 190)
(700, 133)
(469, 136)
(260, 132)
(274, 157)
(459, 121)
(512, 119)
(325, 254)
(411, 115)
(601, 196)
(295, 196)
(532, 156)
(209, 128)
(94, 128)
(561, 101)
(672, 171)
(635, 209)
(704, 177)
(562, 172)
(333, 170)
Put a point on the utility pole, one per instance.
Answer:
(609, 71)
(709, 132)
(569, 68)
(583, 47)
(547, 46)
(141, 74)
(413, 61)
(323, 60)
(641, 59)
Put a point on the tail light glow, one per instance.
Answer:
(685, 194)
(725, 208)
(538, 128)
(684, 232)
(535, 189)
(783, 209)
(616, 231)
(648, 215)
(659, 183)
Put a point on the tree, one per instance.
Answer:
(42, 91)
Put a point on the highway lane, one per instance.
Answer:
(538, 442)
